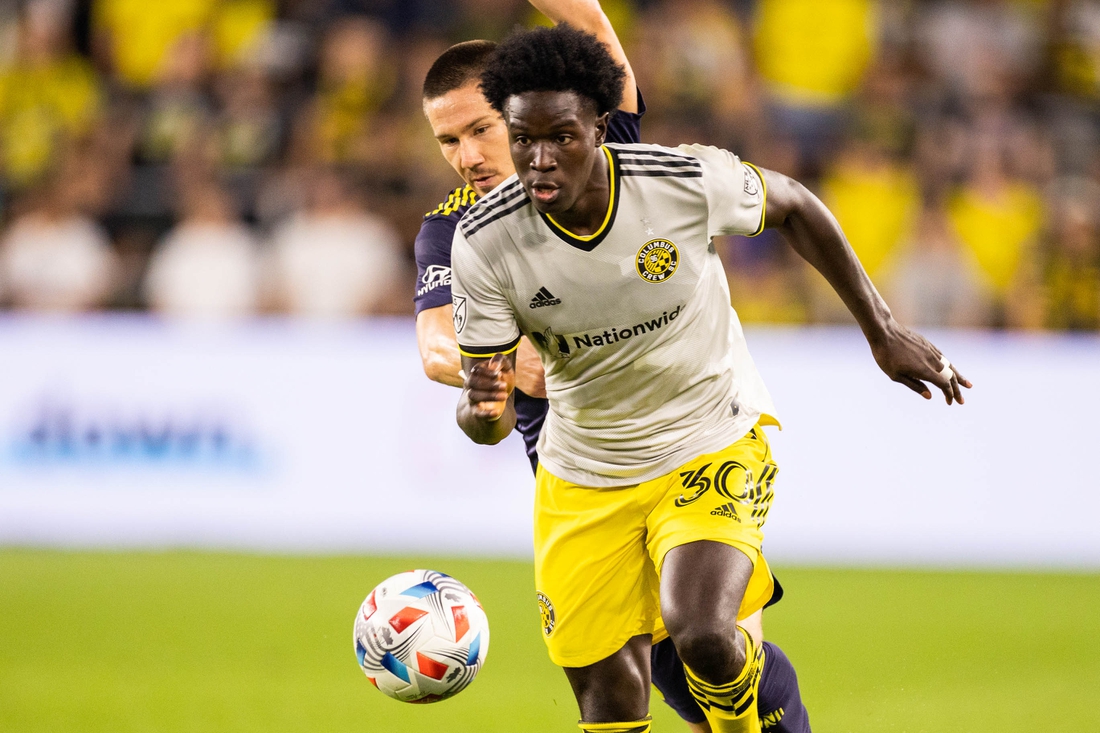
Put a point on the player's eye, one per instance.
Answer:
(481, 130)
(523, 140)
(564, 139)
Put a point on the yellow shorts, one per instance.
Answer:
(598, 551)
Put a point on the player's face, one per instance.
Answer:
(472, 137)
(555, 139)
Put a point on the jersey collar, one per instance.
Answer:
(589, 242)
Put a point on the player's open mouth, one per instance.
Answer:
(544, 193)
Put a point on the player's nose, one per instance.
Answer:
(542, 159)
(470, 155)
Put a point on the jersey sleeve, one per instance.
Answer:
(626, 127)
(736, 193)
(433, 262)
(485, 323)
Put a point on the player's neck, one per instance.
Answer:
(589, 213)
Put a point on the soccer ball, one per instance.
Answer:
(421, 636)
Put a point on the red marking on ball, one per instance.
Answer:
(462, 621)
(406, 617)
(369, 607)
(431, 668)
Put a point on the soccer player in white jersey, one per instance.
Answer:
(655, 476)
(473, 139)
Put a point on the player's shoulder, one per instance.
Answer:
(455, 205)
(494, 208)
(657, 161)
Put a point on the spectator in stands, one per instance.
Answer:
(178, 108)
(1072, 267)
(47, 96)
(698, 64)
(981, 48)
(54, 257)
(998, 219)
(249, 129)
(334, 259)
(208, 266)
(356, 78)
(812, 57)
(934, 281)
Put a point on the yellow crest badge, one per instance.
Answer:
(546, 610)
(657, 260)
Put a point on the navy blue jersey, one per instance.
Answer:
(433, 265)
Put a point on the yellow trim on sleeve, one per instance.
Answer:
(610, 206)
(489, 355)
(764, 208)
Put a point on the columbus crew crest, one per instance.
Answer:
(546, 610)
(657, 260)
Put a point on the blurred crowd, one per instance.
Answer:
(231, 157)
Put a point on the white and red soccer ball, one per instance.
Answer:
(421, 636)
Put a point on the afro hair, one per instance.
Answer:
(558, 59)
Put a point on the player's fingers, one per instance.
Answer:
(962, 380)
(944, 378)
(488, 394)
(490, 410)
(956, 388)
(916, 385)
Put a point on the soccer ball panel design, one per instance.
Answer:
(421, 636)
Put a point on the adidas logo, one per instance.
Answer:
(729, 511)
(543, 298)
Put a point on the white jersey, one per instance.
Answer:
(646, 364)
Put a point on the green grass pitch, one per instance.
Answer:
(192, 642)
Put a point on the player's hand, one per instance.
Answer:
(488, 385)
(909, 358)
(529, 374)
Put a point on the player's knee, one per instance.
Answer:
(714, 653)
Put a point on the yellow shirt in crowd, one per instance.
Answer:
(814, 52)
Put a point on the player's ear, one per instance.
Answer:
(601, 128)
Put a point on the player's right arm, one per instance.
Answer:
(588, 16)
(435, 332)
(487, 410)
(488, 337)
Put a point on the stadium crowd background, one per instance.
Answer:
(223, 158)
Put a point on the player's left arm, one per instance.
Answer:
(812, 230)
(588, 16)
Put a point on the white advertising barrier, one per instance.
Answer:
(284, 436)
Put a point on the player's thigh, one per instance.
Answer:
(722, 497)
(616, 688)
(597, 587)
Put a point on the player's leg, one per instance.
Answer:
(702, 587)
(598, 594)
(615, 689)
(705, 536)
(780, 700)
(779, 703)
(667, 672)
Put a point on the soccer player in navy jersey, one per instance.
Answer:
(474, 140)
